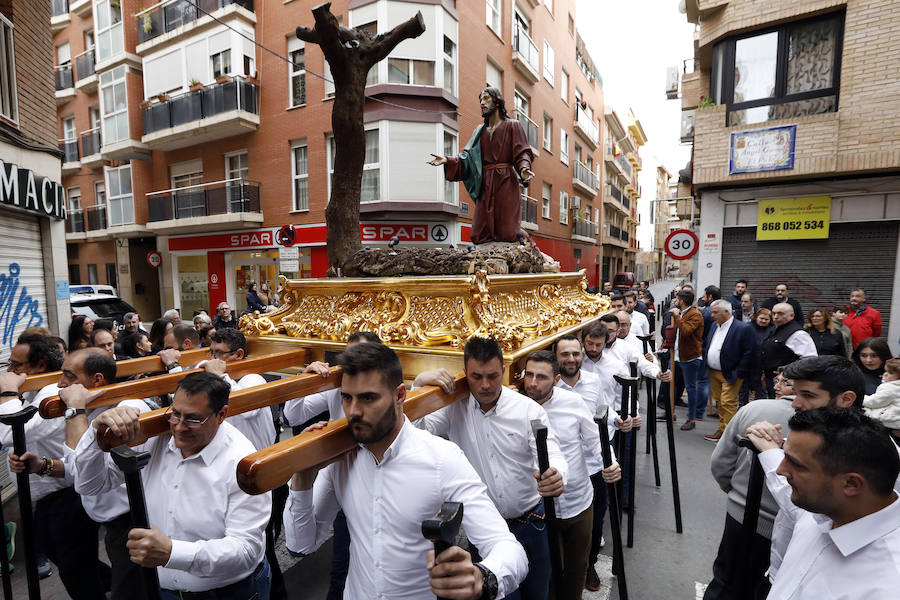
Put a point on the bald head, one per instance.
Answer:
(782, 313)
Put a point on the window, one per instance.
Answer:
(450, 187)
(546, 194)
(548, 132)
(564, 85)
(371, 185)
(68, 125)
(784, 73)
(410, 71)
(300, 176)
(73, 200)
(74, 274)
(597, 221)
(221, 63)
(449, 66)
(92, 275)
(63, 54)
(111, 274)
(521, 103)
(563, 145)
(237, 167)
(494, 8)
(563, 207)
(108, 20)
(8, 105)
(548, 63)
(120, 199)
(114, 105)
(100, 193)
(549, 5)
(571, 25)
(297, 74)
(493, 75)
(88, 39)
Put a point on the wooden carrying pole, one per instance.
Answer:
(124, 368)
(270, 467)
(149, 387)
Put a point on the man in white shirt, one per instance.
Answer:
(206, 534)
(641, 324)
(493, 428)
(579, 439)
(396, 478)
(841, 466)
(627, 347)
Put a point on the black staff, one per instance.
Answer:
(629, 409)
(748, 526)
(444, 527)
(131, 463)
(676, 496)
(540, 436)
(648, 341)
(17, 422)
(4, 565)
(618, 557)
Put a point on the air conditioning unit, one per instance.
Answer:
(574, 202)
(673, 77)
(687, 126)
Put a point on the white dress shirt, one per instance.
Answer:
(801, 344)
(640, 325)
(385, 503)
(714, 352)
(588, 387)
(579, 438)
(626, 350)
(860, 559)
(605, 368)
(500, 445)
(44, 437)
(258, 425)
(217, 530)
(301, 410)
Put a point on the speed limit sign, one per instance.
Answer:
(681, 244)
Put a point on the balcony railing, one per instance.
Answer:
(583, 228)
(615, 232)
(168, 16)
(74, 221)
(90, 142)
(531, 129)
(64, 78)
(205, 199)
(587, 125)
(529, 210)
(623, 162)
(524, 45)
(69, 148)
(207, 102)
(585, 175)
(59, 7)
(96, 217)
(623, 236)
(84, 64)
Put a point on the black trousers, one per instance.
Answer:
(69, 537)
(127, 583)
(753, 561)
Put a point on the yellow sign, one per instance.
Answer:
(794, 218)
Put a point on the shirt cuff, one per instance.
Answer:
(182, 555)
(302, 500)
(11, 406)
(770, 459)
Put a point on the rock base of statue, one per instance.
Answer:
(495, 258)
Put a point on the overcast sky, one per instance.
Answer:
(632, 43)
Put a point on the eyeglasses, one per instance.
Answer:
(219, 353)
(15, 365)
(176, 418)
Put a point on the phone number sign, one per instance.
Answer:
(794, 218)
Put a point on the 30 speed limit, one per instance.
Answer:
(681, 244)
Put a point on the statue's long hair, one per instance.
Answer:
(499, 102)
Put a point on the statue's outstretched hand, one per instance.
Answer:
(437, 161)
(527, 175)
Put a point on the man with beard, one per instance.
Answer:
(580, 442)
(781, 296)
(494, 161)
(863, 321)
(740, 288)
(398, 477)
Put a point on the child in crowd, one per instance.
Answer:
(884, 404)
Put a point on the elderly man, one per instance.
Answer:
(224, 318)
(172, 316)
(728, 355)
(863, 320)
(786, 343)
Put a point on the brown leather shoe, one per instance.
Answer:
(688, 425)
(713, 437)
(592, 582)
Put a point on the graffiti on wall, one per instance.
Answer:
(18, 309)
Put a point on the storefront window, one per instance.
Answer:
(192, 284)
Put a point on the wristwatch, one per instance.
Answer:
(489, 586)
(172, 365)
(72, 412)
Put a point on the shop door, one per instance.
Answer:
(247, 268)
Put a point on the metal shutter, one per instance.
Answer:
(817, 272)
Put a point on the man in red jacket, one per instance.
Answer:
(863, 321)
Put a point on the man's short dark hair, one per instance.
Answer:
(838, 308)
(616, 297)
(744, 281)
(565, 338)
(686, 296)
(129, 315)
(130, 343)
(597, 329)
(630, 294)
(40, 349)
(545, 356)
(835, 374)
(97, 331)
(482, 350)
(852, 443)
(713, 292)
(364, 336)
(610, 317)
(215, 388)
(99, 361)
(231, 336)
(107, 324)
(204, 332)
(187, 332)
(373, 356)
(59, 342)
(747, 294)
(859, 289)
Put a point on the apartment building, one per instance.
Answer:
(33, 287)
(795, 155)
(663, 218)
(213, 160)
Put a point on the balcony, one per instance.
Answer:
(207, 206)
(59, 15)
(531, 132)
(615, 236)
(526, 57)
(584, 180)
(584, 230)
(90, 148)
(74, 222)
(586, 127)
(169, 19)
(616, 194)
(65, 84)
(95, 218)
(618, 163)
(82, 8)
(71, 160)
(207, 115)
(529, 213)
(635, 161)
(85, 72)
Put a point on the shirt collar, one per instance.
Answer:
(860, 311)
(209, 452)
(860, 533)
(684, 310)
(724, 326)
(395, 447)
(504, 393)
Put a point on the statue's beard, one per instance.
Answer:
(487, 112)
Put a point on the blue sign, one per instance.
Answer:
(758, 150)
(62, 290)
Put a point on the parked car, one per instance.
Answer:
(623, 281)
(100, 306)
(106, 290)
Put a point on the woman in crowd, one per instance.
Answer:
(825, 335)
(158, 332)
(254, 302)
(136, 345)
(762, 324)
(80, 332)
(870, 356)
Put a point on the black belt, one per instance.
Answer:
(222, 593)
(531, 513)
